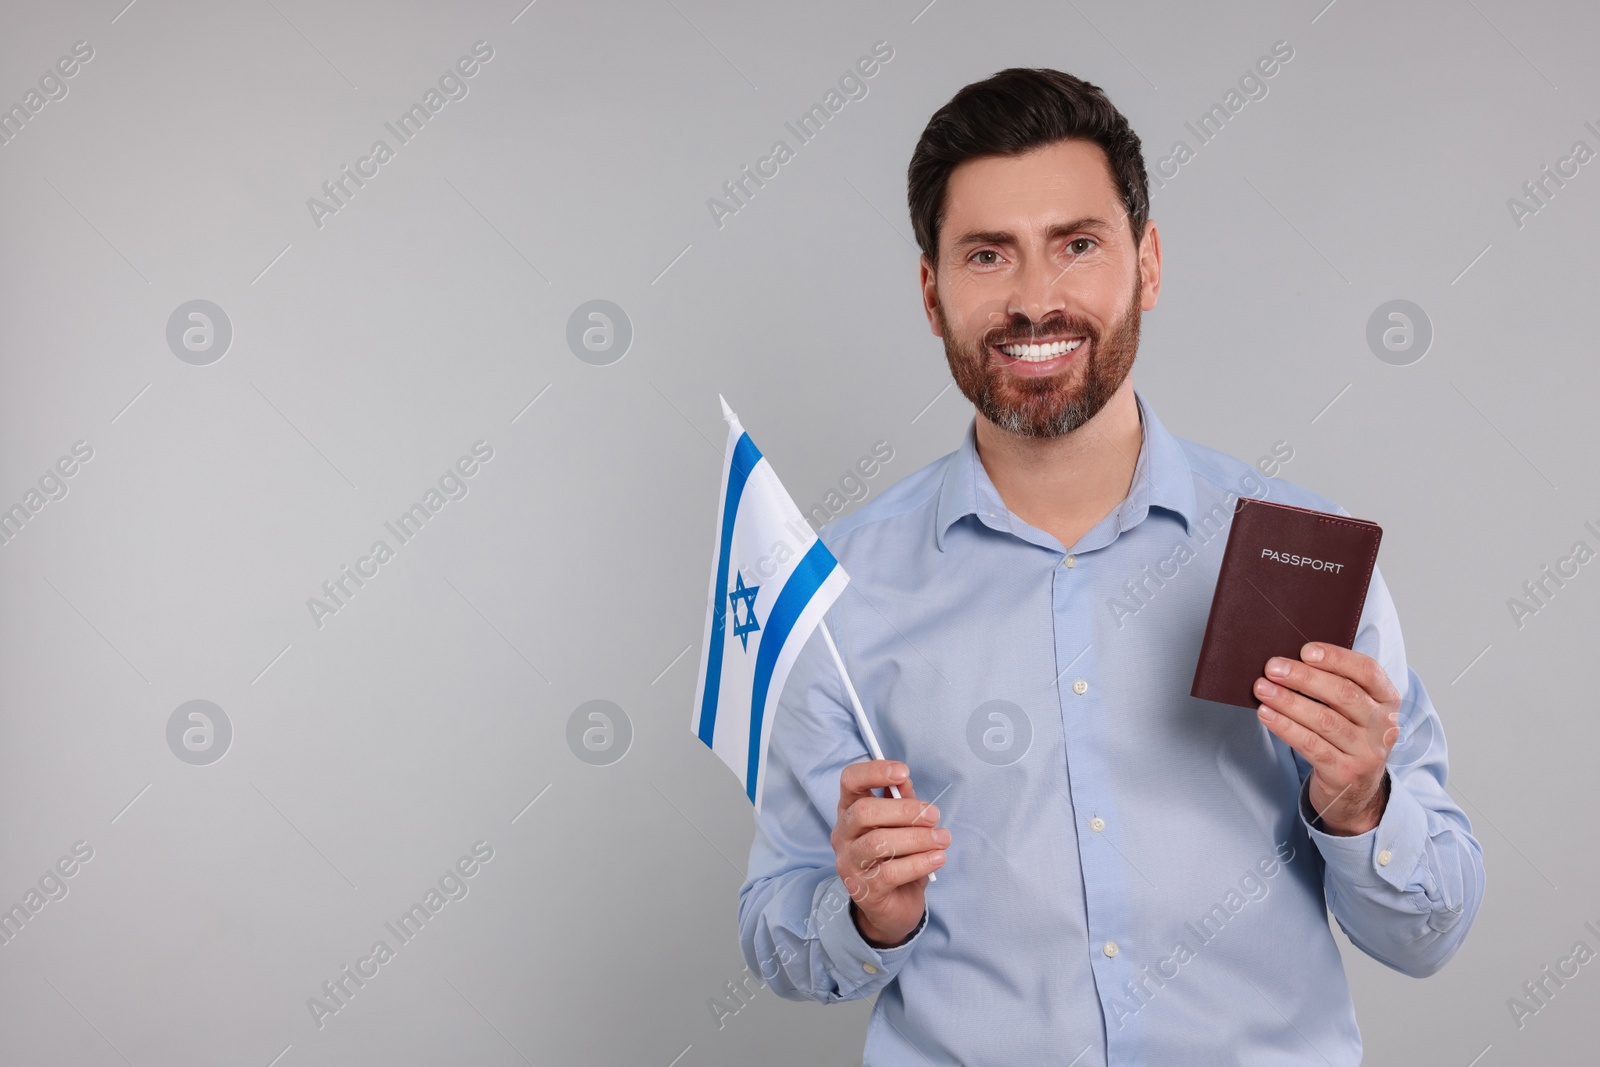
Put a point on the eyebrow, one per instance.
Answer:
(1006, 237)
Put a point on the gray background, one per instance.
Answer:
(369, 754)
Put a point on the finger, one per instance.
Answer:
(868, 813)
(881, 845)
(1317, 751)
(904, 788)
(1334, 690)
(861, 779)
(1314, 715)
(1391, 736)
(1359, 667)
(891, 874)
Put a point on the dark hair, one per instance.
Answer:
(1014, 111)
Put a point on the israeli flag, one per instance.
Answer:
(772, 580)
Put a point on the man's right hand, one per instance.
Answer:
(884, 849)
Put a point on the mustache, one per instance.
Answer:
(1053, 329)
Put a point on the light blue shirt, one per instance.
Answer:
(1133, 877)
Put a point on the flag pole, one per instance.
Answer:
(861, 715)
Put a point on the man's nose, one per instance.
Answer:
(1040, 289)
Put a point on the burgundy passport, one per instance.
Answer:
(1289, 575)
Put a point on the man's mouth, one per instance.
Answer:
(1029, 352)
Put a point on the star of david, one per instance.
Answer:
(746, 593)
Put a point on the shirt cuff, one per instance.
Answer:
(1391, 851)
(859, 968)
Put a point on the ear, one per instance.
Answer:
(1150, 266)
(930, 295)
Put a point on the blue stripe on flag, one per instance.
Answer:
(797, 592)
(745, 457)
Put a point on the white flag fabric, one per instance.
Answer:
(772, 580)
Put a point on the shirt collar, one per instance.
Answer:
(1162, 478)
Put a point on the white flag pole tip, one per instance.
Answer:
(727, 412)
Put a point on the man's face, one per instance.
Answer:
(1035, 250)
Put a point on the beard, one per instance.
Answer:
(1050, 406)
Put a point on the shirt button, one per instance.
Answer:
(1080, 687)
(1097, 824)
(869, 968)
(1383, 858)
(1070, 561)
(1110, 948)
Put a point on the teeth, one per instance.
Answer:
(1039, 353)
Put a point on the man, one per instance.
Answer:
(1126, 874)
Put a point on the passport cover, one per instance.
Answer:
(1289, 575)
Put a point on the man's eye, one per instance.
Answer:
(1081, 241)
(986, 252)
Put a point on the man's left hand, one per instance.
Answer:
(1338, 709)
